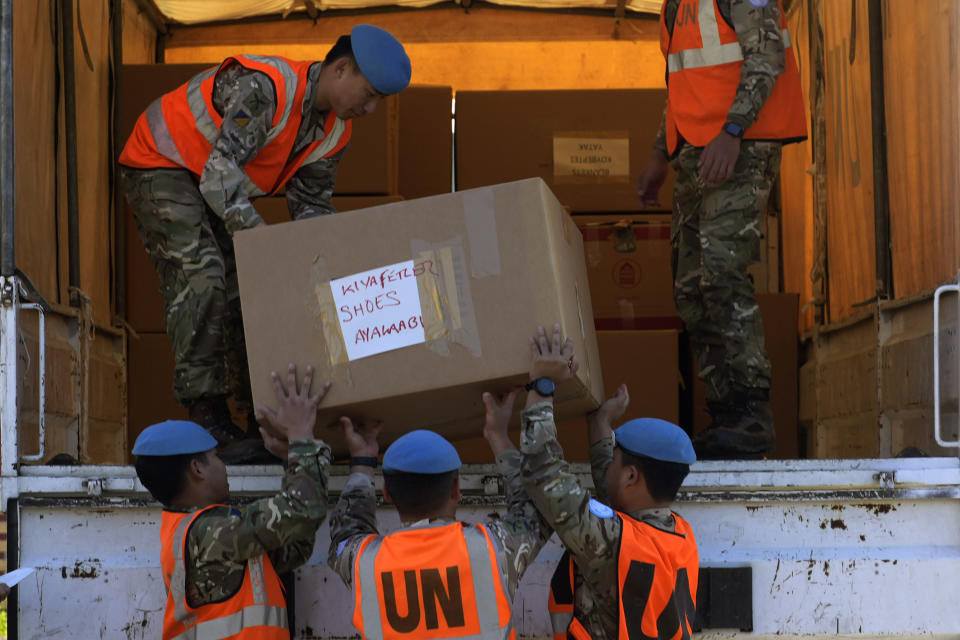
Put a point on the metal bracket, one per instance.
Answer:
(936, 364)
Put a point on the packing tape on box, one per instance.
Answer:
(444, 305)
(481, 225)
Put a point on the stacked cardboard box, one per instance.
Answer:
(413, 309)
(589, 146)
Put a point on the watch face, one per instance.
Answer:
(545, 386)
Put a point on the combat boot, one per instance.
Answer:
(213, 414)
(742, 428)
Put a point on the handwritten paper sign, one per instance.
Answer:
(379, 309)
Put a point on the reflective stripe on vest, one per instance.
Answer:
(485, 585)
(249, 613)
(704, 62)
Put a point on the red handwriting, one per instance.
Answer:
(368, 334)
(387, 276)
(350, 311)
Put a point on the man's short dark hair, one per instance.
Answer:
(164, 476)
(663, 478)
(342, 48)
(419, 493)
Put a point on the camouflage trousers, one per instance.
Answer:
(715, 234)
(193, 254)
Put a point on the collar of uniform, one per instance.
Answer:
(659, 517)
(426, 522)
(313, 77)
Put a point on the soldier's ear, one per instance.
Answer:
(455, 490)
(386, 495)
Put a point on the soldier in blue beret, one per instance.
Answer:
(197, 156)
(631, 566)
(221, 564)
(471, 571)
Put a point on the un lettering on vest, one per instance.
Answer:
(426, 599)
(687, 13)
(582, 157)
(379, 310)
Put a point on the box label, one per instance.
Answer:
(379, 310)
(591, 157)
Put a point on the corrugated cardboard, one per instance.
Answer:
(571, 139)
(426, 141)
(514, 261)
(144, 302)
(780, 314)
(646, 361)
(628, 263)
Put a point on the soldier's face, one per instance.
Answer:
(353, 96)
(217, 478)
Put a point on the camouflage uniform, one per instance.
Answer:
(715, 230)
(221, 540)
(186, 226)
(594, 542)
(518, 536)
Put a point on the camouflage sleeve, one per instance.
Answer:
(761, 40)
(660, 142)
(522, 531)
(354, 518)
(224, 540)
(592, 538)
(601, 455)
(247, 101)
(310, 190)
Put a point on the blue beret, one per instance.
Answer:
(657, 439)
(381, 58)
(420, 451)
(173, 438)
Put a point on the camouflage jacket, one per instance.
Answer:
(248, 102)
(758, 30)
(593, 541)
(518, 535)
(283, 526)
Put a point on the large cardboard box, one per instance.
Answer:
(590, 146)
(780, 313)
(628, 263)
(646, 361)
(413, 309)
(426, 141)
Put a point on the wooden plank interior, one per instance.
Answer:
(796, 184)
(923, 141)
(851, 249)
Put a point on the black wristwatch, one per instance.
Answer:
(543, 386)
(733, 129)
(363, 461)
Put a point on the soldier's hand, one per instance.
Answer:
(280, 447)
(719, 158)
(362, 439)
(652, 178)
(601, 421)
(497, 422)
(552, 357)
(296, 414)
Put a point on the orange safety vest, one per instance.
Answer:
(179, 128)
(703, 70)
(657, 574)
(560, 602)
(257, 611)
(430, 583)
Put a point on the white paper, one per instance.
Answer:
(12, 578)
(379, 309)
